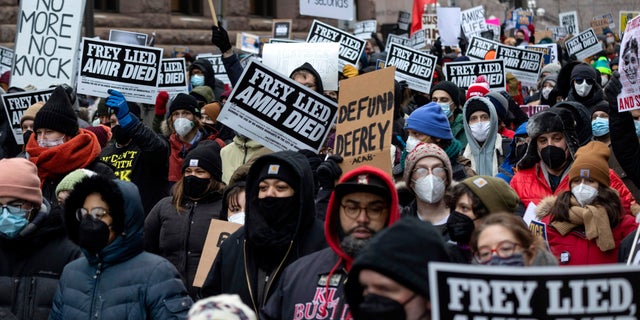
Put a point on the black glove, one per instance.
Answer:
(611, 91)
(329, 171)
(220, 38)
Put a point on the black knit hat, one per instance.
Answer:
(206, 156)
(281, 170)
(583, 71)
(57, 114)
(476, 104)
(184, 101)
(450, 88)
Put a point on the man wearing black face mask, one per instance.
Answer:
(136, 153)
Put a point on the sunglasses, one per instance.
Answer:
(589, 81)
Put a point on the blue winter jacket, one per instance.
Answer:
(122, 281)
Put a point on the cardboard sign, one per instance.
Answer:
(218, 67)
(219, 230)
(350, 47)
(278, 112)
(530, 110)
(402, 40)
(404, 21)
(248, 42)
(16, 103)
(413, 66)
(558, 32)
(570, 21)
(598, 25)
(341, 10)
(481, 49)
(449, 20)
(286, 57)
(132, 70)
(609, 17)
(281, 28)
(365, 121)
(46, 47)
(460, 291)
(419, 40)
(6, 59)
(173, 76)
(624, 17)
(629, 97)
(549, 51)
(522, 63)
(128, 37)
(473, 21)
(583, 45)
(430, 27)
(464, 74)
(364, 29)
(542, 34)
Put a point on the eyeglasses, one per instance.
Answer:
(97, 213)
(14, 208)
(372, 211)
(589, 81)
(504, 249)
(423, 172)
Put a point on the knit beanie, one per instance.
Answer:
(19, 179)
(479, 88)
(583, 71)
(221, 307)
(500, 103)
(592, 161)
(603, 106)
(494, 193)
(70, 180)
(551, 68)
(30, 113)
(450, 88)
(184, 101)
(212, 110)
(101, 133)
(602, 65)
(424, 150)
(430, 120)
(276, 168)
(57, 114)
(203, 93)
(206, 156)
(476, 104)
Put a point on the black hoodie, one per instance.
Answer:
(209, 76)
(308, 67)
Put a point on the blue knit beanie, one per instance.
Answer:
(430, 120)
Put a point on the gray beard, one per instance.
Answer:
(353, 246)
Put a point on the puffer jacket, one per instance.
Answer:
(237, 153)
(122, 281)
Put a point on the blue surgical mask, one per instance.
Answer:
(197, 80)
(637, 123)
(12, 223)
(600, 126)
(446, 108)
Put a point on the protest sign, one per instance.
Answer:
(449, 20)
(530, 110)
(413, 66)
(339, 9)
(351, 48)
(570, 21)
(523, 18)
(492, 33)
(283, 41)
(128, 37)
(543, 34)
(402, 40)
(180, 52)
(281, 28)
(473, 22)
(464, 74)
(481, 49)
(551, 293)
(558, 32)
(609, 17)
(219, 230)
(173, 76)
(16, 103)
(598, 25)
(46, 46)
(522, 63)
(286, 57)
(419, 40)
(132, 70)
(549, 51)
(583, 45)
(279, 113)
(624, 17)
(364, 29)
(365, 120)
(430, 27)
(404, 21)
(629, 97)
(218, 67)
(247, 42)
(6, 59)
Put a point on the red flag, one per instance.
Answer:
(416, 15)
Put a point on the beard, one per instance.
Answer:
(351, 245)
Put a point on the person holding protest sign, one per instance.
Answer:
(481, 128)
(280, 227)
(586, 224)
(447, 95)
(362, 204)
(220, 38)
(585, 86)
(116, 278)
(177, 225)
(390, 278)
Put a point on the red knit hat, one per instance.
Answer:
(19, 179)
(479, 88)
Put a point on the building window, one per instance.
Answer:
(188, 7)
(106, 5)
(263, 8)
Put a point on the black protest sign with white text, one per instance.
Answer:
(6, 59)
(16, 103)
(173, 73)
(464, 74)
(350, 46)
(523, 64)
(584, 45)
(398, 39)
(480, 48)
(413, 66)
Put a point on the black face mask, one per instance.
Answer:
(553, 157)
(519, 42)
(520, 151)
(460, 227)
(276, 210)
(26, 135)
(195, 187)
(120, 135)
(380, 308)
(93, 235)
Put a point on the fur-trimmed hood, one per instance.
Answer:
(544, 207)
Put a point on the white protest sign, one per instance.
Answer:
(6, 59)
(128, 37)
(473, 21)
(464, 74)
(132, 70)
(609, 17)
(413, 66)
(16, 103)
(364, 29)
(47, 39)
(341, 10)
(549, 51)
(284, 41)
(583, 45)
(449, 20)
(218, 67)
(402, 40)
(419, 40)
(558, 32)
(350, 47)
(430, 27)
(404, 21)
(570, 21)
(248, 42)
(286, 57)
(495, 31)
(481, 49)
(173, 76)
(279, 113)
(629, 97)
(523, 64)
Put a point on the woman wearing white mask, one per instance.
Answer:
(586, 224)
(428, 175)
(481, 128)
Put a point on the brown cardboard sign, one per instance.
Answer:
(599, 25)
(219, 230)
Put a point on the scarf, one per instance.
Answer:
(453, 150)
(595, 221)
(78, 152)
(179, 150)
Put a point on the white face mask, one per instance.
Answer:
(584, 194)
(480, 130)
(237, 218)
(603, 80)
(183, 126)
(429, 189)
(45, 143)
(582, 89)
(545, 92)
(412, 143)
